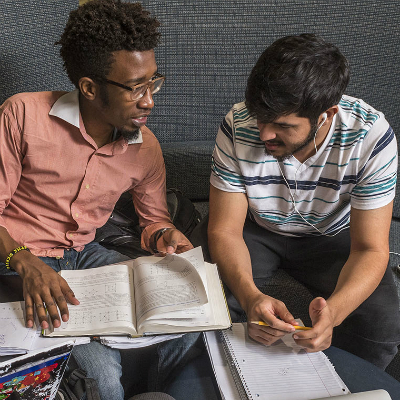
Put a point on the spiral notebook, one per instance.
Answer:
(278, 372)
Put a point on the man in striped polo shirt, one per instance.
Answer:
(303, 178)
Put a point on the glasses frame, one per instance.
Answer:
(156, 77)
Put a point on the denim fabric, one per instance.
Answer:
(360, 375)
(172, 357)
(104, 365)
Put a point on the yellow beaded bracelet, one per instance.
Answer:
(13, 253)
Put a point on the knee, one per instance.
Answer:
(102, 364)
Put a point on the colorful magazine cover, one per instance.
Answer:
(34, 377)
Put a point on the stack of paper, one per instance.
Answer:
(121, 342)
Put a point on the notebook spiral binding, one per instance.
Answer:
(241, 386)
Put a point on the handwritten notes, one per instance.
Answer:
(279, 371)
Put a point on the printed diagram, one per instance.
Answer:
(112, 316)
(84, 318)
(93, 291)
(167, 269)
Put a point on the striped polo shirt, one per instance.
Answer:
(356, 166)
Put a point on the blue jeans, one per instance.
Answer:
(103, 363)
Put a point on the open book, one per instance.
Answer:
(148, 295)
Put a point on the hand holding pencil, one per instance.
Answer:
(297, 327)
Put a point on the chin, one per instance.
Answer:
(129, 134)
(278, 157)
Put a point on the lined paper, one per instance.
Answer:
(282, 371)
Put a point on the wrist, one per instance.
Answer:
(155, 237)
(336, 312)
(248, 295)
(12, 258)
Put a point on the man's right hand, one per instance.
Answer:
(273, 312)
(44, 290)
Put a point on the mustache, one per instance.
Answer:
(273, 142)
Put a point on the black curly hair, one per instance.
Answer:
(100, 27)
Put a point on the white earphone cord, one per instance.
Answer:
(325, 116)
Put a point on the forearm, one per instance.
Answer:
(358, 279)
(231, 255)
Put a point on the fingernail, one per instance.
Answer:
(295, 337)
(64, 317)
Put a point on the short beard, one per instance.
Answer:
(297, 147)
(128, 135)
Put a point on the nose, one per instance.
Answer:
(266, 131)
(146, 101)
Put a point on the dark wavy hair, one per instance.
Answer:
(100, 27)
(297, 74)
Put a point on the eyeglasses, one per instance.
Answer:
(138, 91)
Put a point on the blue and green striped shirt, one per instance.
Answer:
(356, 167)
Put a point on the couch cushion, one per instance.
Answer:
(188, 166)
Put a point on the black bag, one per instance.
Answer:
(76, 386)
(122, 231)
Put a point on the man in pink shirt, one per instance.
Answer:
(65, 159)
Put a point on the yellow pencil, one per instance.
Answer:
(299, 328)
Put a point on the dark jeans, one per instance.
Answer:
(371, 332)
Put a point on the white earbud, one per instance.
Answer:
(324, 118)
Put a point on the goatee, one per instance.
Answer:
(128, 135)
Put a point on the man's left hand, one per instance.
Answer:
(173, 241)
(320, 336)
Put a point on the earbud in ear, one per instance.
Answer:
(324, 118)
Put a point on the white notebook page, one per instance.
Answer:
(281, 371)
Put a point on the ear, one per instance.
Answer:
(330, 112)
(88, 88)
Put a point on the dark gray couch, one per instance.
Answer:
(207, 51)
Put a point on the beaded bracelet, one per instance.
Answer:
(13, 253)
(157, 236)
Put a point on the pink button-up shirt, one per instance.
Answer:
(57, 186)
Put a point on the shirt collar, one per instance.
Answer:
(67, 109)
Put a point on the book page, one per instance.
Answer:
(212, 315)
(106, 298)
(166, 284)
(279, 371)
(15, 337)
(196, 315)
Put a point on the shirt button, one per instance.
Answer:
(58, 257)
(76, 214)
(87, 186)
